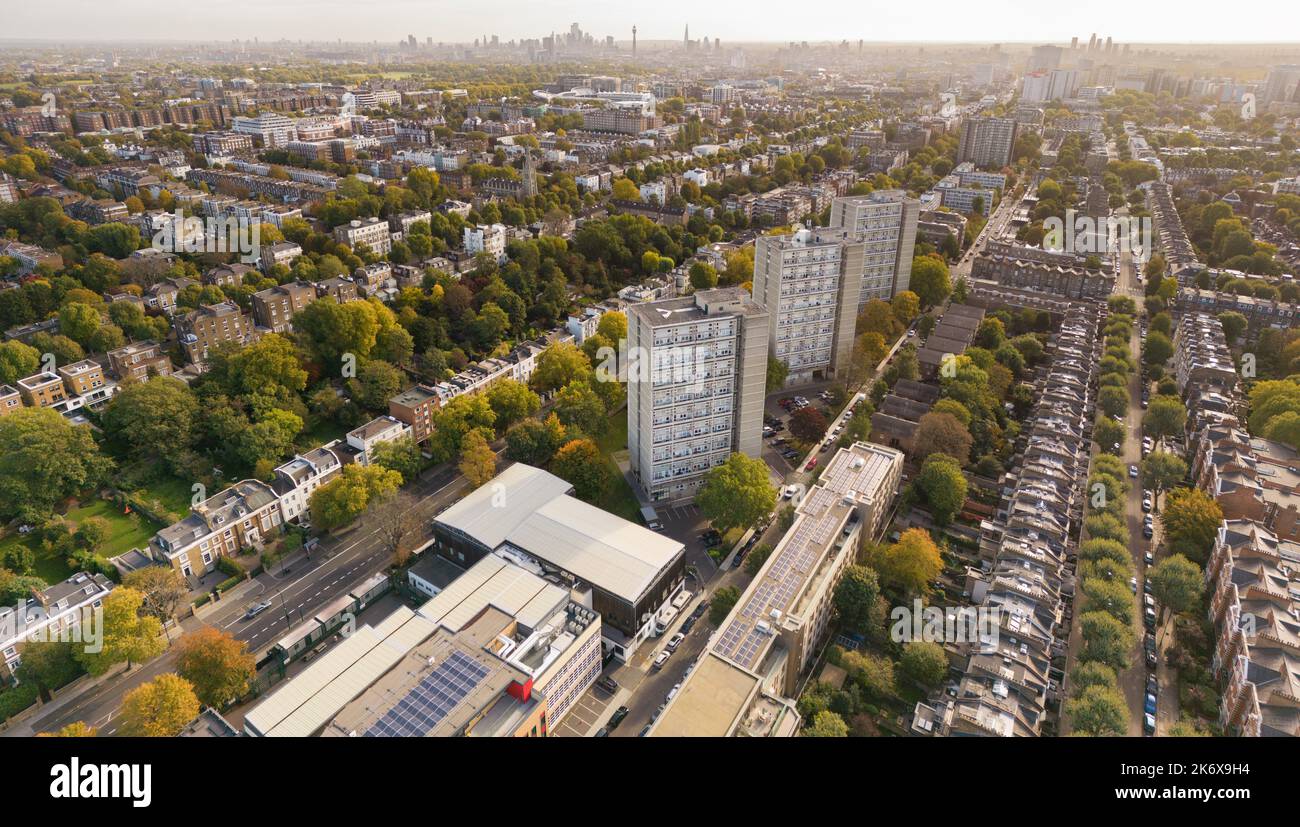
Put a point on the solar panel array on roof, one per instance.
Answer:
(431, 700)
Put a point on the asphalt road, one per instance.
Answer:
(296, 593)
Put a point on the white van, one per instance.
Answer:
(664, 619)
(683, 597)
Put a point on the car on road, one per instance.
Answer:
(661, 659)
(607, 683)
(675, 641)
(1133, 584)
(256, 609)
(617, 717)
(789, 491)
(812, 463)
(1133, 471)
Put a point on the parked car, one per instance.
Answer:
(1148, 533)
(661, 659)
(1133, 584)
(675, 641)
(1148, 725)
(672, 693)
(607, 683)
(617, 717)
(688, 625)
(1146, 504)
(1133, 471)
(1149, 618)
(1153, 684)
(812, 463)
(603, 732)
(645, 730)
(1148, 557)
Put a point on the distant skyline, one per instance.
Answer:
(1008, 21)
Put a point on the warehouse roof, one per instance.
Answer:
(530, 509)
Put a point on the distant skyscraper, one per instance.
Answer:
(634, 41)
(1282, 84)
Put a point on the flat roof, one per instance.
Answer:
(709, 702)
(494, 582)
(307, 702)
(530, 510)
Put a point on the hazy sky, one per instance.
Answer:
(731, 20)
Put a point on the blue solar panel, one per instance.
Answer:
(431, 700)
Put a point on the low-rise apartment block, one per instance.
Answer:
(747, 679)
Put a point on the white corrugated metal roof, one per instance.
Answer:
(603, 549)
(281, 703)
(321, 707)
(491, 511)
(494, 582)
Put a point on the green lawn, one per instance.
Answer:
(125, 532)
(174, 494)
(618, 498)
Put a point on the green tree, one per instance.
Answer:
(1091, 673)
(511, 401)
(930, 280)
(724, 599)
(457, 418)
(1105, 639)
(44, 458)
(737, 493)
(925, 663)
(777, 371)
(1165, 417)
(578, 406)
(400, 455)
(535, 441)
(346, 497)
(826, 724)
(1099, 711)
(153, 419)
(17, 361)
(943, 485)
(128, 635)
(559, 364)
(856, 596)
(1177, 584)
(1162, 470)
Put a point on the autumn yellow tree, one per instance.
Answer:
(76, 729)
(158, 709)
(477, 461)
(220, 667)
(909, 565)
